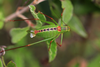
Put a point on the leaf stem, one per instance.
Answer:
(3, 61)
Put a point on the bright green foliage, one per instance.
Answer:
(17, 34)
(41, 16)
(1, 20)
(94, 62)
(77, 26)
(52, 51)
(37, 16)
(1, 65)
(11, 64)
(68, 10)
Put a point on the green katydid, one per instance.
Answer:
(48, 32)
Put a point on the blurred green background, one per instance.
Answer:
(76, 50)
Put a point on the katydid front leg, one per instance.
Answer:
(52, 41)
(60, 41)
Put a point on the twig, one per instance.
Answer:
(27, 21)
(35, 2)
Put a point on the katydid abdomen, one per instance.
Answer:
(48, 34)
(49, 31)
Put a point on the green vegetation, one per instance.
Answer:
(80, 46)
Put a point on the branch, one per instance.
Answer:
(27, 21)
(35, 2)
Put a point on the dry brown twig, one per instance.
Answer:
(27, 21)
(18, 13)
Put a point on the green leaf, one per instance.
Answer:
(18, 58)
(52, 51)
(41, 16)
(95, 62)
(1, 65)
(68, 10)
(37, 15)
(11, 64)
(18, 55)
(1, 20)
(18, 33)
(77, 26)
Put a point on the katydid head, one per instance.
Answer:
(65, 28)
(32, 34)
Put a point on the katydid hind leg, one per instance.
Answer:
(42, 41)
(50, 45)
(60, 41)
(28, 44)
